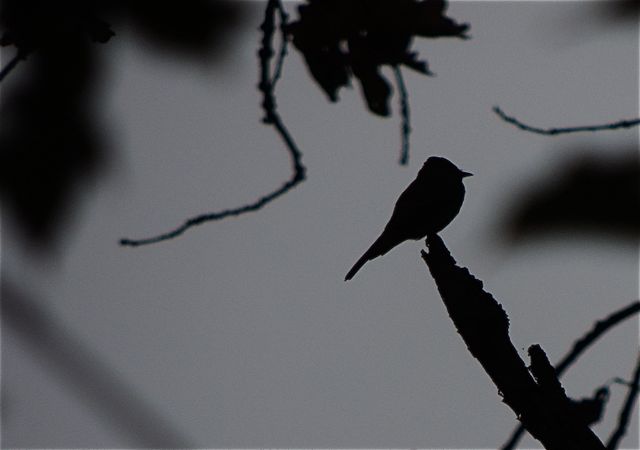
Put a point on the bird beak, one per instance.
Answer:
(466, 174)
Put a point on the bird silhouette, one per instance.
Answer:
(428, 205)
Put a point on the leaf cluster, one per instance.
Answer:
(344, 39)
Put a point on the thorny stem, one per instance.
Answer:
(271, 116)
(405, 114)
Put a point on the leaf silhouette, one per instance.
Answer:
(341, 39)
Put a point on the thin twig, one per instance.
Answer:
(271, 117)
(600, 327)
(622, 381)
(626, 411)
(598, 330)
(405, 114)
(12, 64)
(555, 131)
(284, 18)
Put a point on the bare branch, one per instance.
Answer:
(579, 347)
(483, 324)
(405, 114)
(599, 328)
(627, 411)
(622, 381)
(555, 131)
(271, 117)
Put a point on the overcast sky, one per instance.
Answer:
(242, 333)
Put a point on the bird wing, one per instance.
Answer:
(411, 213)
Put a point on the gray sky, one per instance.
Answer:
(242, 333)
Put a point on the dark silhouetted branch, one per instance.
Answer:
(271, 117)
(13, 62)
(404, 114)
(591, 409)
(626, 411)
(579, 347)
(618, 380)
(544, 373)
(555, 131)
(484, 326)
(599, 328)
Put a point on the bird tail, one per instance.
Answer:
(379, 248)
(357, 266)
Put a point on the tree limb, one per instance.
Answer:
(484, 326)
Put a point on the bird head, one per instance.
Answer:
(439, 166)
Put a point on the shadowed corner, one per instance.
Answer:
(618, 12)
(65, 357)
(51, 144)
(596, 195)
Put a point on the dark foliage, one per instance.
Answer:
(596, 194)
(50, 146)
(340, 39)
(195, 28)
(49, 142)
(619, 11)
(35, 24)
